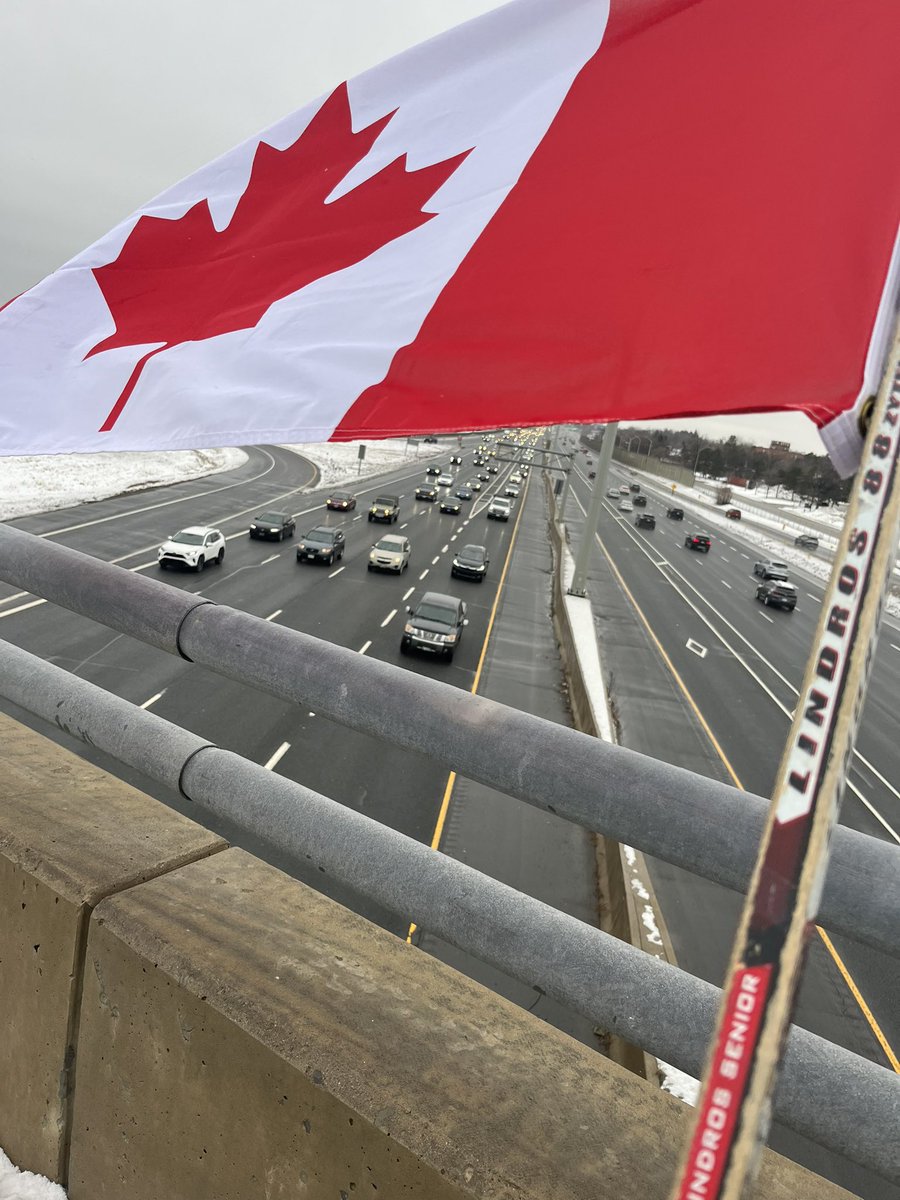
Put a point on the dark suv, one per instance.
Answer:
(276, 525)
(808, 541)
(321, 545)
(778, 593)
(470, 562)
(675, 514)
(435, 625)
(698, 541)
(645, 521)
(640, 500)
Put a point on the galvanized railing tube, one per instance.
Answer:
(624, 795)
(826, 1093)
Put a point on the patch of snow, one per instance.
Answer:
(638, 888)
(339, 462)
(677, 1083)
(630, 855)
(648, 919)
(23, 1185)
(39, 483)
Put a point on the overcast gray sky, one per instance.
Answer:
(103, 103)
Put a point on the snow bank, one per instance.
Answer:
(39, 484)
(33, 484)
(22, 1185)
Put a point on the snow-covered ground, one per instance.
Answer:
(23, 1185)
(33, 484)
(39, 484)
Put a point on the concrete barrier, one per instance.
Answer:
(624, 884)
(234, 1034)
(69, 835)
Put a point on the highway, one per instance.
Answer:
(703, 675)
(700, 674)
(364, 611)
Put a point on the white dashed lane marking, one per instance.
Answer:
(276, 613)
(271, 558)
(153, 699)
(424, 573)
(728, 585)
(337, 572)
(364, 648)
(408, 593)
(436, 559)
(389, 618)
(278, 756)
(765, 618)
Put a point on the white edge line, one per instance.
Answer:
(278, 755)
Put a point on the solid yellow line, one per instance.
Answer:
(451, 779)
(656, 642)
(858, 997)
(829, 945)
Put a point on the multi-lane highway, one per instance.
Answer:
(703, 675)
(349, 606)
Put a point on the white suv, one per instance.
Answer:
(499, 509)
(193, 547)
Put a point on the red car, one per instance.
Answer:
(342, 501)
(734, 514)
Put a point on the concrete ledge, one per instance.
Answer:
(69, 835)
(243, 1036)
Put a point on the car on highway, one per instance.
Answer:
(698, 541)
(341, 501)
(483, 476)
(635, 487)
(807, 541)
(625, 505)
(675, 514)
(492, 468)
(474, 484)
(640, 500)
(470, 562)
(435, 625)
(429, 438)
(390, 553)
(779, 593)
(321, 545)
(445, 480)
(770, 568)
(433, 470)
(455, 460)
(464, 493)
(515, 477)
(624, 489)
(499, 509)
(733, 514)
(450, 504)
(193, 547)
(385, 507)
(426, 491)
(592, 474)
(511, 490)
(612, 493)
(277, 525)
(645, 521)
(478, 461)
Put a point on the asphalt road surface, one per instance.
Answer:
(703, 675)
(350, 606)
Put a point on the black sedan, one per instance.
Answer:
(450, 504)
(433, 470)
(277, 525)
(645, 521)
(464, 493)
(640, 500)
(426, 491)
(698, 541)
(321, 545)
(470, 562)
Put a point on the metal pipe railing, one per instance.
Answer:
(826, 1093)
(624, 795)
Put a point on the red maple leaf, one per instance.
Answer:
(178, 281)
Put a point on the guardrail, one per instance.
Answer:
(826, 1093)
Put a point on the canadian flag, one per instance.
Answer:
(565, 210)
